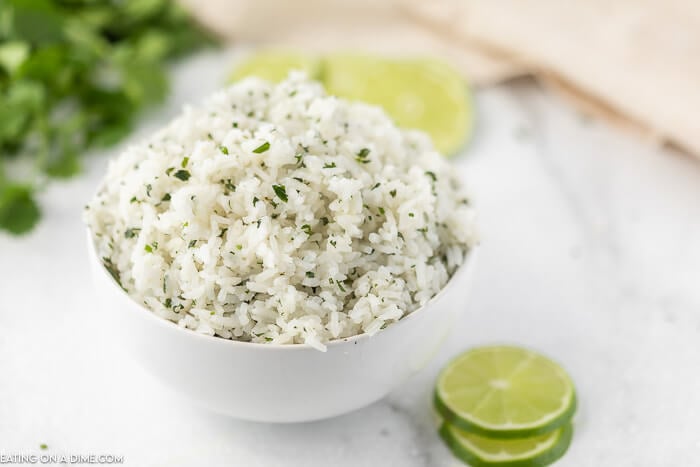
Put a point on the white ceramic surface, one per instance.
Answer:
(273, 382)
(590, 255)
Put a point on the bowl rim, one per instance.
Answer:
(461, 271)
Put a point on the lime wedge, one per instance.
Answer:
(536, 451)
(423, 94)
(275, 65)
(505, 392)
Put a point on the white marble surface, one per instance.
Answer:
(590, 254)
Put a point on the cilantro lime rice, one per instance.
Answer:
(276, 213)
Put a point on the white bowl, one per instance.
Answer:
(274, 382)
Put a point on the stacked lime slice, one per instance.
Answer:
(505, 406)
(423, 94)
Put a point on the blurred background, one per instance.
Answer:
(580, 139)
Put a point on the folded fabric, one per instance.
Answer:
(634, 61)
(362, 25)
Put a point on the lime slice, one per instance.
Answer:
(424, 94)
(275, 65)
(536, 451)
(505, 392)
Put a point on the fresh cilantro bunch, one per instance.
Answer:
(74, 75)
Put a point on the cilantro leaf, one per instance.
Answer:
(281, 192)
(182, 174)
(75, 75)
(19, 211)
(262, 148)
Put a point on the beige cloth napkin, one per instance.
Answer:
(634, 61)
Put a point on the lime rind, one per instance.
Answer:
(474, 380)
(523, 431)
(546, 450)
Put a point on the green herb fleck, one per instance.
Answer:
(393, 193)
(148, 248)
(262, 148)
(112, 269)
(362, 156)
(310, 274)
(228, 185)
(306, 228)
(166, 197)
(431, 175)
(281, 192)
(329, 166)
(183, 175)
(410, 214)
(43, 447)
(133, 199)
(185, 161)
(192, 243)
(234, 124)
(376, 185)
(169, 170)
(255, 200)
(168, 302)
(223, 149)
(324, 220)
(149, 187)
(131, 232)
(381, 210)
